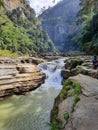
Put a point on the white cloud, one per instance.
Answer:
(38, 4)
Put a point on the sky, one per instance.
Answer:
(38, 4)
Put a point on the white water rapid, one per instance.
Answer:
(53, 73)
(32, 112)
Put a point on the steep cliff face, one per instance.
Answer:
(60, 23)
(21, 30)
(12, 4)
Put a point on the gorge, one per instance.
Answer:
(49, 83)
(60, 22)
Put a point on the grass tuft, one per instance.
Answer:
(6, 53)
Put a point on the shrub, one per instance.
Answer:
(67, 82)
(63, 94)
(77, 88)
(67, 87)
(76, 99)
(66, 116)
(55, 111)
(56, 125)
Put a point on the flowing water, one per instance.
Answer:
(32, 112)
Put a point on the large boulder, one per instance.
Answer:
(84, 116)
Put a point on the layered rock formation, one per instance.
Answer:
(18, 78)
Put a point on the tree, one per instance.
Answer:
(88, 17)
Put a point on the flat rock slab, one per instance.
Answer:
(85, 115)
(89, 85)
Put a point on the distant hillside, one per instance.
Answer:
(21, 30)
(60, 23)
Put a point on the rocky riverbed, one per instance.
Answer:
(32, 111)
(76, 107)
(19, 76)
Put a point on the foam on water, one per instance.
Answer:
(32, 112)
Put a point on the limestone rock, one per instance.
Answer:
(85, 114)
(81, 65)
(72, 63)
(19, 78)
(89, 85)
(31, 60)
(85, 70)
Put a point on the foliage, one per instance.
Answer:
(72, 89)
(77, 88)
(14, 38)
(76, 99)
(67, 87)
(67, 82)
(88, 15)
(20, 30)
(60, 23)
(55, 111)
(56, 125)
(63, 94)
(66, 116)
(6, 53)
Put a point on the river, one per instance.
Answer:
(32, 112)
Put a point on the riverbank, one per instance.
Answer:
(32, 111)
(76, 107)
(19, 75)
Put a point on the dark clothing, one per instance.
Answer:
(95, 62)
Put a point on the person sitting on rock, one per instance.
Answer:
(95, 62)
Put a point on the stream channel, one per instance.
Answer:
(32, 112)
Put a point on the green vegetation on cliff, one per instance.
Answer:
(60, 23)
(88, 16)
(21, 30)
